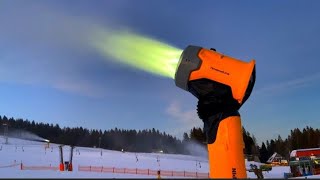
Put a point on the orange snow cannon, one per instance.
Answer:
(222, 84)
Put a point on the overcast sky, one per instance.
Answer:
(49, 72)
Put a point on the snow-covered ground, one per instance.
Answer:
(31, 153)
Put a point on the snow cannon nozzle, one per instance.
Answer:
(39, 140)
(216, 77)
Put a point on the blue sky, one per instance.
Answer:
(49, 72)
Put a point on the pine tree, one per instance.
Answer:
(264, 154)
(185, 137)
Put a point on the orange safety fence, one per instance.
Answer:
(24, 167)
(118, 170)
(142, 171)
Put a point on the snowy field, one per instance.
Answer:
(31, 153)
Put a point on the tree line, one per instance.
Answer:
(152, 140)
(147, 140)
(308, 137)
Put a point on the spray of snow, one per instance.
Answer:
(24, 134)
(196, 149)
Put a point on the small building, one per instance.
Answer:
(277, 160)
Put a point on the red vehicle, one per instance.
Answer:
(305, 162)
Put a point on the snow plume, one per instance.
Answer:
(196, 149)
(24, 134)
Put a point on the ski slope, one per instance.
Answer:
(31, 153)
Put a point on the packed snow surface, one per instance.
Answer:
(31, 153)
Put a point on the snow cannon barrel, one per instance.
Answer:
(208, 74)
(37, 140)
(47, 145)
(222, 84)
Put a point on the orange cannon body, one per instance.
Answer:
(226, 158)
(222, 85)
